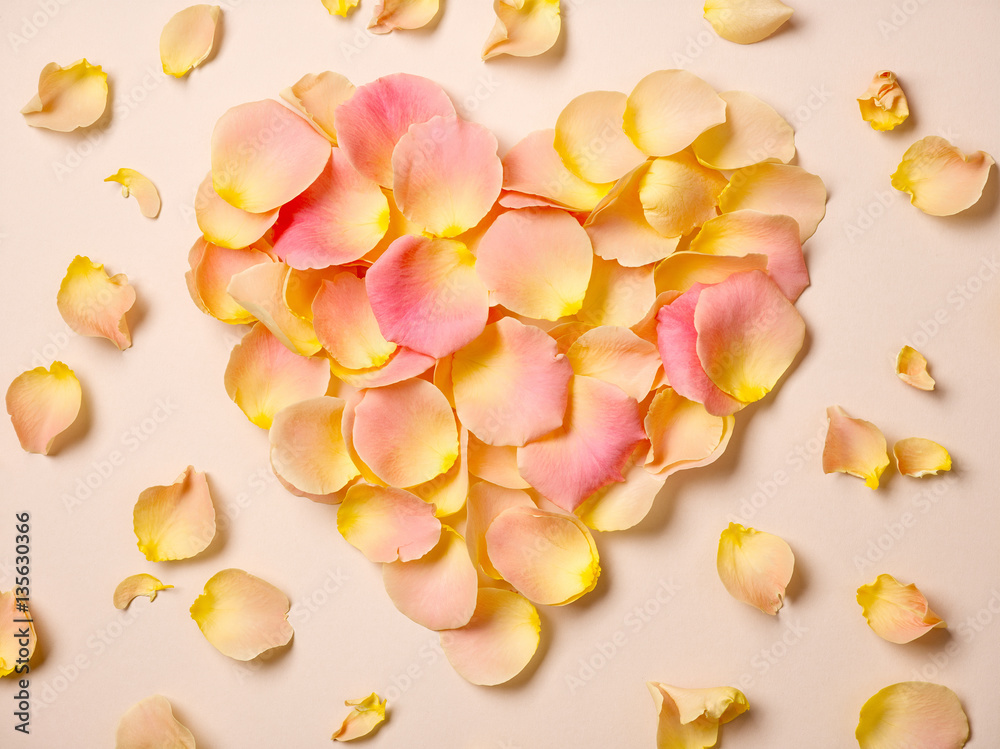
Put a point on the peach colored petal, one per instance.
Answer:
(176, 521)
(308, 449)
(646, 327)
(495, 464)
(777, 189)
(940, 179)
(753, 133)
(854, 446)
(340, 7)
(486, 501)
(911, 367)
(390, 15)
(678, 194)
(916, 456)
(884, 105)
(449, 490)
(188, 38)
(682, 434)
(617, 295)
(403, 364)
(264, 376)
(524, 28)
(225, 225)
(755, 567)
(370, 123)
(536, 262)
(367, 714)
(241, 615)
(690, 718)
(616, 355)
(682, 270)
(212, 269)
(566, 333)
(93, 304)
(263, 155)
(896, 612)
(668, 109)
(150, 724)
(345, 324)
(260, 290)
(139, 187)
(387, 524)
(43, 403)
(746, 21)
(533, 167)
(548, 557)
(590, 140)
(10, 647)
(68, 98)
(137, 585)
(913, 715)
(619, 506)
(438, 590)
(317, 96)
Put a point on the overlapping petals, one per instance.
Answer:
(364, 718)
(683, 434)
(188, 38)
(390, 15)
(746, 21)
(884, 105)
(854, 446)
(616, 355)
(524, 28)
(916, 456)
(668, 109)
(94, 304)
(346, 326)
(682, 270)
(621, 505)
(10, 647)
(42, 404)
(387, 524)
(68, 98)
(913, 715)
(497, 465)
(590, 140)
(212, 268)
(176, 521)
(911, 367)
(486, 501)
(533, 169)
(134, 586)
(139, 187)
(261, 291)
(777, 189)
(317, 96)
(448, 491)
(690, 718)
(896, 612)
(617, 295)
(940, 179)
(225, 225)
(150, 724)
(752, 133)
(755, 567)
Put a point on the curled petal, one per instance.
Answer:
(137, 585)
(755, 567)
(495, 464)
(188, 38)
(175, 521)
(317, 96)
(362, 720)
(884, 105)
(225, 225)
(346, 326)
(911, 366)
(619, 506)
(746, 21)
(260, 290)
(308, 449)
(340, 7)
(668, 109)
(68, 98)
(150, 724)
(616, 294)
(896, 612)
(486, 501)
(854, 446)
(777, 189)
(618, 356)
(94, 304)
(390, 15)
(690, 718)
(753, 133)
(139, 187)
(533, 167)
(212, 270)
(536, 262)
(590, 140)
(678, 194)
(940, 179)
(916, 456)
(682, 434)
(913, 715)
(524, 28)
(242, 615)
(403, 364)
(10, 648)
(43, 403)
(682, 270)
(387, 524)
(263, 155)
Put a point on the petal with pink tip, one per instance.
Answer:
(590, 140)
(616, 294)
(225, 225)
(668, 109)
(913, 715)
(366, 716)
(746, 21)
(308, 449)
(618, 356)
(139, 187)
(317, 96)
(176, 521)
(682, 434)
(486, 501)
(940, 179)
(387, 524)
(896, 612)
(260, 290)
(911, 367)
(212, 270)
(755, 567)
(94, 304)
(42, 404)
(390, 15)
(619, 506)
(134, 586)
(68, 98)
(187, 39)
(495, 464)
(917, 457)
(682, 270)
(690, 718)
(777, 189)
(854, 446)
(753, 132)
(884, 105)
(678, 194)
(345, 324)
(150, 724)
(524, 28)
(533, 167)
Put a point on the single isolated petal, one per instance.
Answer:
(777, 189)
(682, 434)
(854, 446)
(212, 270)
(137, 585)
(345, 324)
(753, 133)
(175, 521)
(390, 15)
(367, 714)
(690, 718)
(678, 194)
(387, 524)
(746, 21)
(913, 715)
(622, 505)
(940, 179)
(495, 464)
(755, 567)
(260, 290)
(307, 446)
(524, 28)
(10, 648)
(68, 98)
(225, 225)
(188, 38)
(150, 724)
(617, 295)
(911, 366)
(43, 403)
(682, 270)
(340, 7)
(550, 558)
(668, 109)
(242, 615)
(590, 140)
(896, 612)
(139, 187)
(884, 105)
(317, 96)
(94, 304)
(618, 356)
(486, 501)
(916, 456)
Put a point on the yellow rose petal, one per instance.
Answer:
(896, 612)
(175, 521)
(139, 187)
(913, 715)
(137, 585)
(755, 567)
(365, 717)
(916, 456)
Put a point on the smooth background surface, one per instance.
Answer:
(883, 274)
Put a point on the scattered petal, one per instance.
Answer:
(590, 140)
(188, 38)
(93, 304)
(10, 648)
(619, 506)
(486, 501)
(777, 189)
(533, 167)
(346, 326)
(916, 456)
(618, 356)
(260, 290)
(212, 270)
(682, 434)
(387, 524)
(340, 7)
(940, 179)
(317, 96)
(911, 366)
(690, 718)
(884, 105)
(617, 295)
(524, 28)
(225, 225)
(68, 98)
(362, 720)
(496, 464)
(678, 194)
(390, 15)
(668, 109)
(755, 567)
(137, 585)
(138, 186)
(854, 446)
(895, 612)
(42, 404)
(150, 724)
(913, 715)
(753, 133)
(746, 21)
(175, 521)
(308, 449)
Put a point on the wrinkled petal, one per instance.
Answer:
(678, 194)
(524, 28)
(486, 501)
(390, 15)
(139, 187)
(496, 464)
(362, 720)
(668, 109)
(682, 434)
(260, 290)
(308, 449)
(533, 167)
(176, 521)
(913, 715)
(150, 724)
(188, 38)
(10, 648)
(916, 456)
(884, 105)
(777, 189)
(896, 612)
(755, 567)
(93, 304)
(617, 295)
(746, 21)
(690, 718)
(911, 367)
(940, 179)
(854, 446)
(225, 225)
(753, 133)
(619, 506)
(387, 524)
(682, 270)
(618, 356)
(68, 98)
(43, 403)
(590, 140)
(449, 490)
(345, 324)
(317, 96)
(137, 585)
(340, 7)
(242, 615)
(212, 268)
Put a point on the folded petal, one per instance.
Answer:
(10, 648)
(533, 167)
(911, 367)
(150, 724)
(390, 15)
(619, 506)
(678, 194)
(93, 304)
(242, 615)
(616, 294)
(668, 109)
(263, 155)
(777, 189)
(387, 524)
(548, 557)
(486, 501)
(495, 464)
(43, 403)
(212, 270)
(536, 262)
(916, 456)
(616, 355)
(308, 449)
(260, 290)
(913, 715)
(690, 718)
(940, 179)
(317, 96)
(854, 446)
(884, 105)
(139, 187)
(524, 28)
(746, 21)
(176, 521)
(753, 133)
(896, 612)
(682, 434)
(340, 7)
(188, 38)
(225, 225)
(68, 98)
(682, 270)
(755, 567)
(590, 140)
(367, 714)
(137, 585)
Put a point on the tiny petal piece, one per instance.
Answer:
(188, 38)
(913, 715)
(212, 270)
(11, 653)
(777, 189)
(911, 366)
(150, 724)
(390, 15)
(226, 225)
(175, 521)
(307, 446)
(387, 524)
(896, 612)
(752, 133)
(940, 179)
(678, 194)
(618, 356)
(43, 403)
(884, 105)
(139, 187)
(668, 109)
(854, 446)
(94, 304)
(367, 714)
(137, 585)
(690, 718)
(317, 96)
(916, 456)
(340, 7)
(68, 98)
(683, 434)
(524, 28)
(242, 615)
(755, 567)
(590, 140)
(746, 21)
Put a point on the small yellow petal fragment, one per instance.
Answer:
(911, 366)
(884, 105)
(139, 187)
(690, 718)
(340, 7)
(916, 456)
(137, 585)
(11, 650)
(68, 98)
(940, 179)
(367, 714)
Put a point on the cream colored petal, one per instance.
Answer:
(137, 585)
(690, 718)
(150, 724)
(11, 632)
(307, 446)
(618, 356)
(753, 133)
(619, 506)
(94, 304)
(68, 98)
(916, 456)
(590, 140)
(43, 403)
(390, 15)
(486, 501)
(175, 521)
(940, 179)
(362, 720)
(884, 105)
(317, 96)
(755, 567)
(678, 194)
(449, 490)
(854, 446)
(139, 187)
(746, 21)
(668, 109)
(188, 38)
(911, 366)
(524, 28)
(682, 434)
(387, 524)
(777, 189)
(226, 225)
(896, 612)
(616, 294)
(913, 715)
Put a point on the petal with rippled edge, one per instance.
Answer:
(917, 457)
(225, 225)
(176, 521)
(150, 724)
(10, 648)
(854, 446)
(536, 262)
(690, 718)
(212, 268)
(617, 295)
(883, 105)
(438, 590)
(590, 140)
(622, 505)
(897, 613)
(42, 404)
(616, 355)
(533, 167)
(755, 567)
(340, 7)
(753, 133)
(264, 376)
(242, 615)
(486, 501)
(366, 716)
(682, 270)
(590, 449)
(668, 109)
(682, 434)
(345, 324)
(496, 464)
(68, 98)
(390, 15)
(777, 189)
(387, 524)
(678, 194)
(264, 154)
(524, 28)
(137, 585)
(370, 123)
(911, 367)
(260, 290)
(940, 179)
(94, 304)
(308, 449)
(187, 39)
(139, 187)
(746, 21)
(317, 96)
(913, 715)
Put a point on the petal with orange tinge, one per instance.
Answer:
(212, 268)
(317, 96)
(68, 98)
(616, 355)
(753, 133)
(854, 446)
(308, 449)
(43, 403)
(777, 189)
(590, 449)
(264, 154)
(10, 649)
(93, 304)
(682, 434)
(438, 590)
(137, 585)
(187, 39)
(176, 521)
(536, 262)
(668, 109)
(690, 718)
(916, 456)
(911, 367)
(897, 613)
(340, 7)
(260, 290)
(150, 724)
(563, 564)
(370, 123)
(940, 179)
(139, 187)
(345, 324)
(486, 501)
(403, 364)
(616, 294)
(495, 464)
(390, 15)
(746, 21)
(387, 524)
(225, 225)
(913, 715)
(678, 194)
(682, 270)
(524, 28)
(533, 167)
(264, 376)
(619, 506)
(755, 567)
(241, 615)
(884, 105)
(449, 490)
(590, 140)
(362, 720)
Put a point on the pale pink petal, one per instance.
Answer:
(139, 187)
(362, 720)
(646, 327)
(176, 521)
(678, 194)
(187, 39)
(134, 586)
(884, 104)
(590, 140)
(690, 718)
(524, 28)
(854, 446)
(486, 501)
(390, 15)
(260, 290)
(449, 490)
(668, 109)
(911, 367)
(498, 465)
(308, 449)
(68, 98)
(387, 524)
(403, 364)
(682, 434)
(682, 270)
(43, 403)
(940, 179)
(746, 21)
(617, 295)
(913, 715)
(616, 355)
(317, 96)
(619, 506)
(916, 456)
(753, 132)
(755, 567)
(896, 612)
(225, 225)
(150, 724)
(345, 324)
(777, 188)
(212, 270)
(94, 304)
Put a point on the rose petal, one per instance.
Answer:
(93, 304)
(682, 434)
(241, 615)
(403, 364)
(533, 167)
(940, 179)
(346, 326)
(340, 7)
(449, 490)
(777, 189)
(495, 464)
(682, 270)
(896, 612)
(225, 225)
(43, 403)
(911, 367)
(390, 15)
(139, 187)
(590, 140)
(916, 456)
(137, 585)
(619, 506)
(188, 38)
(308, 449)
(150, 724)
(884, 105)
(753, 133)
(755, 567)
(68, 98)
(10, 648)
(617, 295)
(616, 355)
(362, 720)
(678, 194)
(524, 28)
(913, 715)
(746, 21)
(212, 269)
(176, 521)
(854, 446)
(317, 96)
(486, 501)
(260, 290)
(690, 718)
(387, 524)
